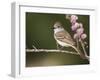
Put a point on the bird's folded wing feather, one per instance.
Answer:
(64, 37)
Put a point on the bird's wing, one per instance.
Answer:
(64, 36)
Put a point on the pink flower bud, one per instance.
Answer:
(80, 31)
(73, 19)
(75, 26)
(83, 36)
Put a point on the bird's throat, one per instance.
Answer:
(58, 30)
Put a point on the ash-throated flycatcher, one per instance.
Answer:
(61, 36)
(64, 39)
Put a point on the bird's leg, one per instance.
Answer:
(57, 46)
(61, 47)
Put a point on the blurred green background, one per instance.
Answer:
(39, 33)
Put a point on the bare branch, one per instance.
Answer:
(54, 50)
(50, 50)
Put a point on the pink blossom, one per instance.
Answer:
(73, 19)
(75, 26)
(80, 31)
(83, 36)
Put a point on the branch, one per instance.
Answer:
(50, 50)
(55, 50)
(86, 56)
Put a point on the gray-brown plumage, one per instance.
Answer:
(62, 37)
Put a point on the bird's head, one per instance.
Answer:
(57, 25)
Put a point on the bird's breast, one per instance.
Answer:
(58, 30)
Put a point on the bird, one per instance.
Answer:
(62, 37)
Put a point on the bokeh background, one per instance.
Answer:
(39, 33)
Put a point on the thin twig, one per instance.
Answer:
(77, 42)
(84, 49)
(34, 47)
